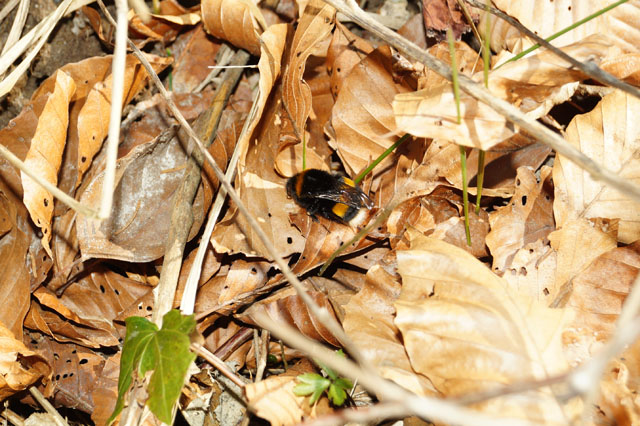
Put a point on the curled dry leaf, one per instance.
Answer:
(45, 153)
(311, 37)
(19, 366)
(526, 219)
(467, 331)
(240, 22)
(620, 23)
(608, 134)
(290, 309)
(369, 323)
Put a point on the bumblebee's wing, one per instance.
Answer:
(347, 194)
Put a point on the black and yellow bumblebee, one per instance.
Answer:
(332, 196)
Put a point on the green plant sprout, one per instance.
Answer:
(337, 388)
(463, 153)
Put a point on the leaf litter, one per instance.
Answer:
(554, 252)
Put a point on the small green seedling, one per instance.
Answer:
(314, 384)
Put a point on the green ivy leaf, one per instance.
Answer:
(311, 384)
(165, 352)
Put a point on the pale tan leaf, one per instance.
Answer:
(432, 113)
(527, 218)
(534, 84)
(273, 399)
(547, 18)
(532, 272)
(19, 366)
(467, 331)
(369, 323)
(597, 293)
(238, 21)
(45, 154)
(542, 80)
(608, 134)
(578, 243)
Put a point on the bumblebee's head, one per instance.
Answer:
(291, 186)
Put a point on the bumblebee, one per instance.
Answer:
(331, 196)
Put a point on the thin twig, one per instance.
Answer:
(8, 7)
(511, 113)
(217, 363)
(60, 195)
(117, 90)
(13, 417)
(373, 414)
(17, 26)
(35, 393)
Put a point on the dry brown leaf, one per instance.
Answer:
(369, 323)
(467, 331)
(240, 22)
(432, 113)
(93, 118)
(538, 82)
(146, 180)
(526, 219)
(547, 18)
(14, 284)
(45, 153)
(363, 118)
(105, 393)
(625, 67)
(345, 51)
(193, 60)
(85, 312)
(19, 366)
(440, 15)
(287, 307)
(76, 369)
(609, 134)
(162, 27)
(263, 193)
